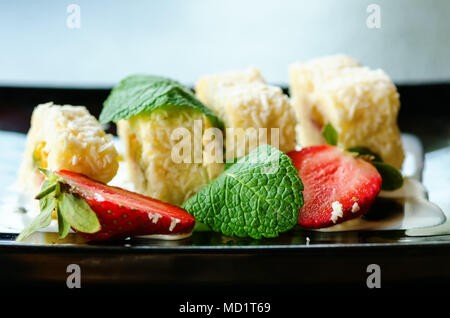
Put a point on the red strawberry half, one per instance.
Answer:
(124, 213)
(101, 212)
(337, 186)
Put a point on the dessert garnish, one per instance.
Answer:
(101, 212)
(258, 196)
(338, 186)
(392, 179)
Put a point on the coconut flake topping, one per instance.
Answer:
(337, 211)
(355, 207)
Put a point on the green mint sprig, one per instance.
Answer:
(391, 178)
(330, 134)
(365, 153)
(138, 94)
(258, 196)
(72, 210)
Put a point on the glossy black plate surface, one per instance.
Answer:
(210, 259)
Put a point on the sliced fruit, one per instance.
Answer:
(337, 186)
(101, 212)
(124, 213)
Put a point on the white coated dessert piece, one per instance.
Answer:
(149, 145)
(243, 100)
(66, 137)
(362, 104)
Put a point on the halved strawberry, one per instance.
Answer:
(101, 212)
(337, 186)
(124, 213)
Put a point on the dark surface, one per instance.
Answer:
(424, 112)
(211, 262)
(234, 269)
(17, 103)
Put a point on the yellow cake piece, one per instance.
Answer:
(66, 137)
(245, 103)
(362, 104)
(149, 144)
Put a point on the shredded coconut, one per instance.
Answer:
(355, 207)
(337, 211)
(154, 217)
(99, 197)
(74, 140)
(337, 89)
(149, 145)
(242, 99)
(173, 223)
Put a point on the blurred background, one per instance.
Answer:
(186, 39)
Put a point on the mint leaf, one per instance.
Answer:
(43, 219)
(228, 165)
(63, 226)
(45, 172)
(76, 212)
(49, 185)
(72, 210)
(201, 227)
(391, 178)
(47, 189)
(138, 94)
(361, 151)
(330, 134)
(258, 196)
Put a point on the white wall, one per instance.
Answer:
(187, 38)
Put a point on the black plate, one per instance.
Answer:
(211, 260)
